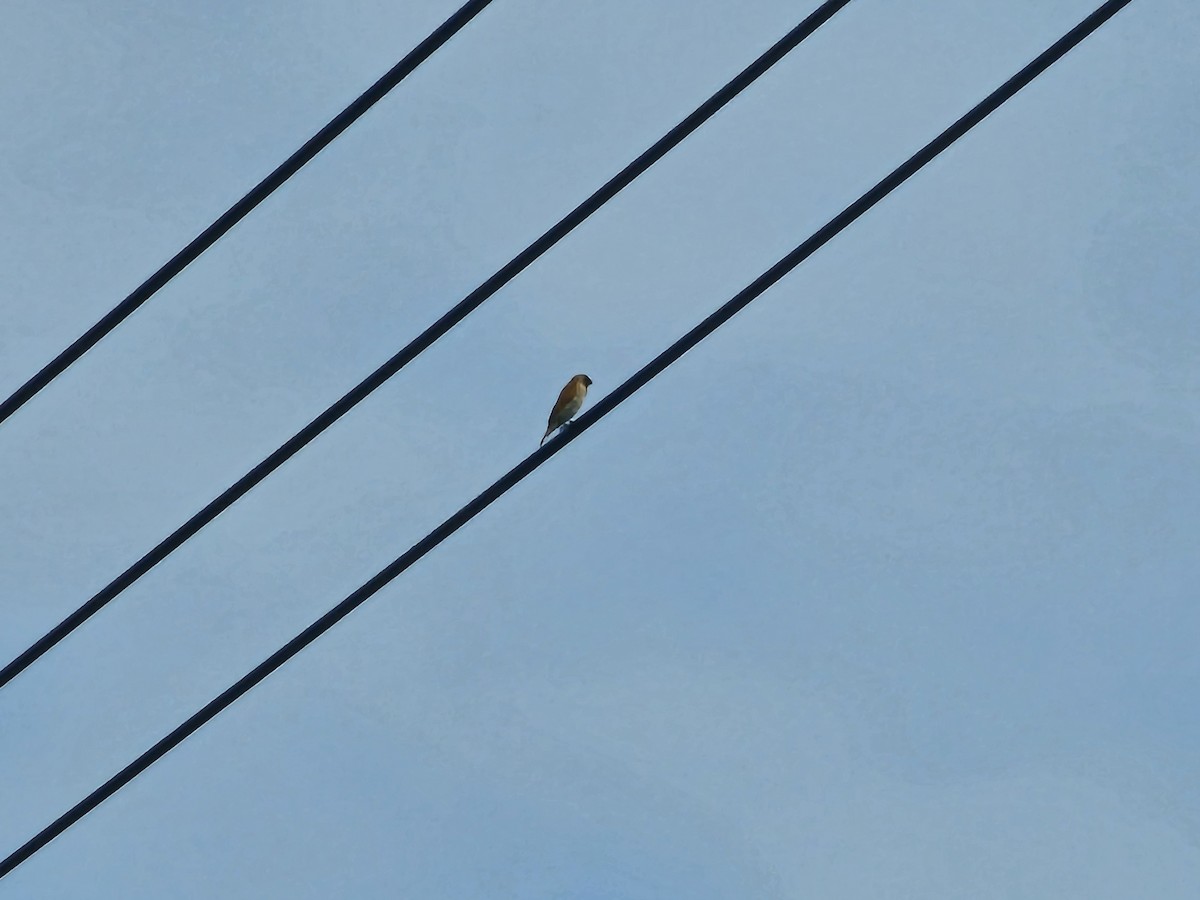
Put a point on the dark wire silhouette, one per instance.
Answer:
(423, 341)
(737, 303)
(241, 209)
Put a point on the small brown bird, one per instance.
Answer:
(567, 404)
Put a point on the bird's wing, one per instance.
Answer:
(565, 398)
(566, 395)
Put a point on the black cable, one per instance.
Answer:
(606, 405)
(242, 208)
(423, 341)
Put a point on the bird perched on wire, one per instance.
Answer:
(568, 403)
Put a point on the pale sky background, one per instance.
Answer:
(889, 590)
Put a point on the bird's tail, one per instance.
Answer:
(549, 431)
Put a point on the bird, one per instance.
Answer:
(568, 403)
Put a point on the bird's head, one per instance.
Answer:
(587, 382)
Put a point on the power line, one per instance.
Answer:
(606, 405)
(242, 208)
(423, 341)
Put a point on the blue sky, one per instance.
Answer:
(886, 590)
